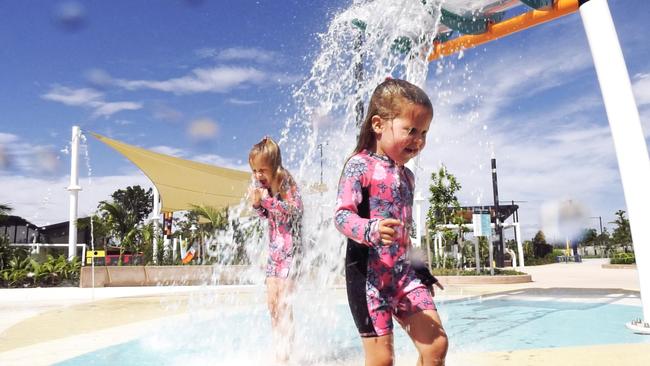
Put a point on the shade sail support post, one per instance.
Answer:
(73, 192)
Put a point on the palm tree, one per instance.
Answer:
(622, 236)
(442, 191)
(122, 223)
(209, 219)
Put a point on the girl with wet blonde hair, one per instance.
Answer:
(275, 196)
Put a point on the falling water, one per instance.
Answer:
(86, 155)
(363, 45)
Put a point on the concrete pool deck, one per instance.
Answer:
(43, 326)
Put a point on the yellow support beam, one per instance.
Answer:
(495, 31)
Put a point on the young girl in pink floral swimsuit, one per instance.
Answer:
(374, 202)
(275, 196)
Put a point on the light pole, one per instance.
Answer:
(600, 237)
(600, 220)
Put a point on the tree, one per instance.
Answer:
(622, 235)
(200, 223)
(605, 240)
(540, 247)
(123, 217)
(443, 203)
(5, 210)
(589, 237)
(135, 200)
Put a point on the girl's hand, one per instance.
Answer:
(255, 196)
(264, 193)
(438, 285)
(387, 231)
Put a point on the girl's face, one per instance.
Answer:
(404, 136)
(262, 171)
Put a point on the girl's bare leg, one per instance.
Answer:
(279, 293)
(429, 337)
(378, 350)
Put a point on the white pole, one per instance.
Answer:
(174, 251)
(155, 216)
(625, 124)
(520, 246)
(74, 189)
(477, 255)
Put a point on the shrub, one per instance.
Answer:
(484, 272)
(28, 272)
(547, 259)
(623, 258)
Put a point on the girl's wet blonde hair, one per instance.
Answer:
(386, 102)
(269, 151)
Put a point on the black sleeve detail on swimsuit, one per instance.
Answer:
(356, 275)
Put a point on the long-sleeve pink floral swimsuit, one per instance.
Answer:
(379, 278)
(285, 216)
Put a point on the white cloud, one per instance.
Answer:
(220, 161)
(6, 138)
(46, 200)
(88, 98)
(562, 150)
(248, 54)
(216, 79)
(641, 87)
(236, 101)
(108, 109)
(169, 150)
(74, 97)
(23, 157)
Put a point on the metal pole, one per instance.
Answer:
(498, 230)
(74, 189)
(627, 133)
(600, 219)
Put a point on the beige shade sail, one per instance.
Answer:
(183, 183)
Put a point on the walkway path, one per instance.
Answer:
(45, 326)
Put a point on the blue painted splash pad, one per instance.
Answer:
(242, 336)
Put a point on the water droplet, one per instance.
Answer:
(70, 16)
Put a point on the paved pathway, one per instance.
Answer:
(45, 326)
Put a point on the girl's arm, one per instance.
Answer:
(255, 200)
(261, 211)
(350, 195)
(290, 206)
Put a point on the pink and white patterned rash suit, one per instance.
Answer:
(379, 278)
(285, 216)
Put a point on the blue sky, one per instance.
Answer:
(204, 80)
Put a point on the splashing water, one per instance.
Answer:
(364, 44)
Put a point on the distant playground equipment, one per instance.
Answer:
(96, 256)
(187, 254)
(485, 221)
